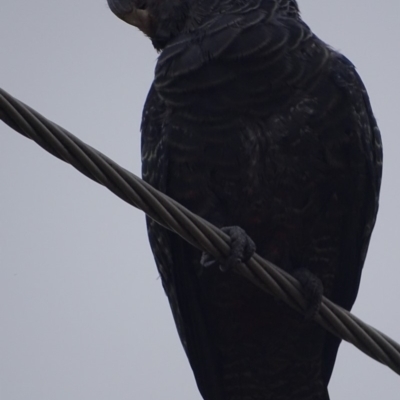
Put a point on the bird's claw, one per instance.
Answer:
(312, 289)
(242, 249)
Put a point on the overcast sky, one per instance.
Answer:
(82, 311)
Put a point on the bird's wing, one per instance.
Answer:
(177, 261)
(361, 214)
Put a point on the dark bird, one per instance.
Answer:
(253, 121)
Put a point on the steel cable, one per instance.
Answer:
(192, 228)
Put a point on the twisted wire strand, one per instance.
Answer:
(197, 231)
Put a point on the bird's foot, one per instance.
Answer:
(312, 289)
(242, 248)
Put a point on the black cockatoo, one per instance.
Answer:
(253, 121)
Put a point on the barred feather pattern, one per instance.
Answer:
(254, 121)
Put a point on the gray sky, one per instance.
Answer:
(82, 311)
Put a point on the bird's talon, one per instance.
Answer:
(312, 289)
(207, 261)
(242, 249)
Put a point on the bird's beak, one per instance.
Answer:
(127, 11)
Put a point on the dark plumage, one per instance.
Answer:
(254, 121)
